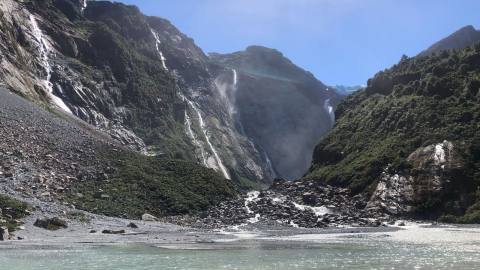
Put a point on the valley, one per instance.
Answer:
(117, 129)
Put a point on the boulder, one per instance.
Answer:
(113, 231)
(51, 224)
(401, 193)
(4, 234)
(148, 217)
(309, 198)
(132, 225)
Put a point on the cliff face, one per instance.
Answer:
(284, 109)
(410, 139)
(251, 116)
(135, 77)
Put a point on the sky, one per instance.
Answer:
(339, 41)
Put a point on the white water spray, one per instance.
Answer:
(251, 197)
(84, 5)
(329, 108)
(157, 45)
(235, 78)
(44, 54)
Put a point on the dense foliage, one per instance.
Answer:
(11, 211)
(140, 184)
(418, 102)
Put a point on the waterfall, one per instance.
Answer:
(209, 143)
(235, 78)
(193, 137)
(328, 107)
(44, 54)
(84, 5)
(218, 165)
(251, 197)
(269, 164)
(157, 46)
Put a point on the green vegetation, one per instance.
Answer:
(158, 186)
(11, 211)
(79, 216)
(418, 102)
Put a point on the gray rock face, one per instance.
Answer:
(250, 116)
(462, 38)
(402, 194)
(134, 77)
(4, 234)
(284, 109)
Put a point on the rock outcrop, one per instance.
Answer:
(284, 109)
(402, 194)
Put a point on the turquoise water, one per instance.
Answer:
(345, 255)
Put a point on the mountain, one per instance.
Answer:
(462, 38)
(164, 118)
(134, 77)
(409, 142)
(346, 90)
(284, 109)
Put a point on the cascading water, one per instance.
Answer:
(251, 197)
(44, 55)
(235, 78)
(157, 45)
(217, 164)
(329, 108)
(218, 160)
(191, 134)
(83, 5)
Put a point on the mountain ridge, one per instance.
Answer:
(461, 38)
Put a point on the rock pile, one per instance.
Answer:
(298, 204)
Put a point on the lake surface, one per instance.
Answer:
(414, 248)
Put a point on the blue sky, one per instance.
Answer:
(339, 41)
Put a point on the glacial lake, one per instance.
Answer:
(413, 248)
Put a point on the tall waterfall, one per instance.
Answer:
(157, 45)
(217, 163)
(328, 107)
(44, 50)
(193, 136)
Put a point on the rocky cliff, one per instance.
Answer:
(410, 140)
(284, 109)
(134, 77)
(251, 116)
